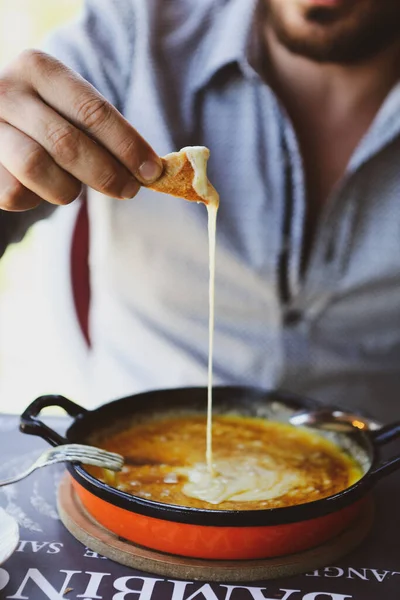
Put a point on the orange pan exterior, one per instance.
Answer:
(213, 542)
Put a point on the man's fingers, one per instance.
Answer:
(34, 168)
(14, 197)
(69, 147)
(74, 98)
(95, 115)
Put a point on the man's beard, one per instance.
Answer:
(331, 35)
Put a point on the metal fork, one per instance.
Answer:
(87, 455)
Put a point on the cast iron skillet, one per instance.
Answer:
(279, 406)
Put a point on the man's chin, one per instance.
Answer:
(322, 16)
(318, 47)
(334, 50)
(344, 32)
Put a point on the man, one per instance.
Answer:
(299, 102)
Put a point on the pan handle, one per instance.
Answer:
(386, 434)
(383, 436)
(29, 423)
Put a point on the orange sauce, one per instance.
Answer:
(260, 464)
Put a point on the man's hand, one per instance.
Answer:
(57, 133)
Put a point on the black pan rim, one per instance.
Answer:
(222, 518)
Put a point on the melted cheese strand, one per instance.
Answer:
(198, 157)
(212, 226)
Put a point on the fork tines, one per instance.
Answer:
(88, 455)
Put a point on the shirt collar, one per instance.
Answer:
(229, 40)
(384, 129)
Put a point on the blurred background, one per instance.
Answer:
(24, 24)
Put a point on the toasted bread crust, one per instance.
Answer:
(178, 178)
(177, 181)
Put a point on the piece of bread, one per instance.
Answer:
(185, 176)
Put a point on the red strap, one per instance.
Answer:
(80, 269)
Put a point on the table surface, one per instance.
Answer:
(50, 564)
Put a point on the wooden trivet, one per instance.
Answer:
(90, 533)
